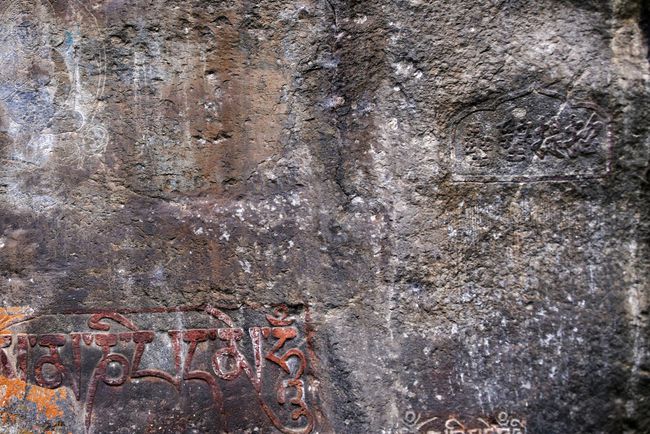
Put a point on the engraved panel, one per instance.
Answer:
(208, 368)
(534, 135)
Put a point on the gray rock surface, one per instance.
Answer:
(324, 216)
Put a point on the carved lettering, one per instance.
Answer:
(413, 423)
(204, 355)
(531, 135)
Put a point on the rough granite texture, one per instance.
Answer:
(450, 197)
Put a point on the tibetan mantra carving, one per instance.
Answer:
(240, 377)
(533, 135)
(503, 424)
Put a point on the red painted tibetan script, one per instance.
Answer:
(111, 349)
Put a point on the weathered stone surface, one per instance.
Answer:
(324, 216)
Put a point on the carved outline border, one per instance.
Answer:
(456, 119)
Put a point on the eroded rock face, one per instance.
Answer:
(324, 216)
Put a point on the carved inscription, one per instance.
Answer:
(531, 136)
(414, 423)
(89, 352)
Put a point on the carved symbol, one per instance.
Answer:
(530, 135)
(231, 353)
(452, 425)
(280, 317)
(57, 373)
(413, 423)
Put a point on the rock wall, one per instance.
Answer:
(324, 216)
